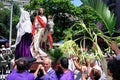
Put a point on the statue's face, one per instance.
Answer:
(41, 10)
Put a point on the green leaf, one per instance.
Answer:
(103, 12)
(55, 54)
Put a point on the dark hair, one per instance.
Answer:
(96, 73)
(64, 62)
(39, 10)
(114, 67)
(21, 64)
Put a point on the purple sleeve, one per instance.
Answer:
(50, 76)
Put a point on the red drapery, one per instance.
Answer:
(41, 22)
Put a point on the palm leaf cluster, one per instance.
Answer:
(55, 54)
(93, 32)
(103, 12)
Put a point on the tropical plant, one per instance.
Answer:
(103, 12)
(91, 31)
(88, 14)
(70, 46)
(4, 22)
(1, 5)
(15, 19)
(54, 7)
(55, 54)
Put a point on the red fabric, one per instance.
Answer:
(41, 22)
(50, 39)
(33, 26)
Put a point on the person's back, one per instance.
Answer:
(20, 76)
(67, 74)
(20, 72)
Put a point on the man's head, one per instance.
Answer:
(92, 62)
(113, 69)
(22, 64)
(64, 62)
(95, 74)
(46, 63)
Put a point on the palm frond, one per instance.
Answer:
(55, 54)
(103, 12)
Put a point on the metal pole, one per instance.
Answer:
(10, 36)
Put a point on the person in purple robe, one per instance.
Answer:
(20, 71)
(67, 74)
(24, 36)
(48, 73)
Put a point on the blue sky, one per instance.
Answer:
(77, 2)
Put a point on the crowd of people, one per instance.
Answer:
(87, 70)
(44, 71)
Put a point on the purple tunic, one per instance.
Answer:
(14, 75)
(23, 48)
(51, 75)
(69, 75)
